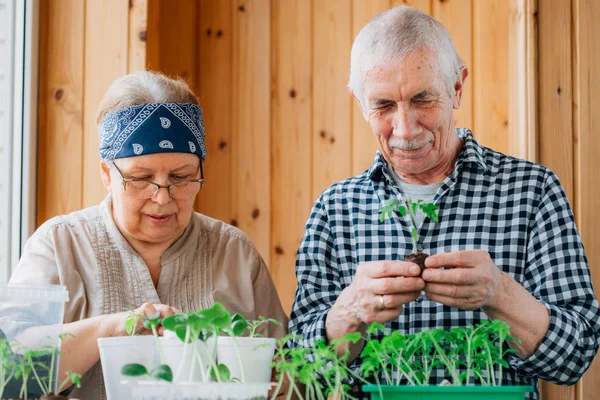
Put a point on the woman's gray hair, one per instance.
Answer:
(144, 87)
(395, 33)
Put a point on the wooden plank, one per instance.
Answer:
(215, 93)
(252, 127)
(178, 36)
(423, 5)
(364, 144)
(522, 80)
(332, 107)
(60, 129)
(555, 91)
(138, 13)
(291, 139)
(556, 115)
(153, 34)
(457, 16)
(490, 73)
(586, 14)
(106, 52)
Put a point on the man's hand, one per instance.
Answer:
(471, 281)
(377, 294)
(378, 291)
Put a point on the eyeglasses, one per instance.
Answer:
(142, 189)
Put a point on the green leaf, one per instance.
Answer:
(224, 373)
(402, 210)
(238, 325)
(173, 321)
(133, 370)
(388, 209)
(163, 372)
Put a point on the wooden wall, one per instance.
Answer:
(569, 135)
(271, 77)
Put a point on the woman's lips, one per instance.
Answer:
(160, 219)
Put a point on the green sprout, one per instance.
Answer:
(411, 208)
(131, 321)
(254, 325)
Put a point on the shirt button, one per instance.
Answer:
(419, 248)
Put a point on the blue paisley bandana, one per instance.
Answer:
(152, 128)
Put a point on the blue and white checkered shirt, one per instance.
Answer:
(514, 209)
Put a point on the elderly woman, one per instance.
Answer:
(144, 247)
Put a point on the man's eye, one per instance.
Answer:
(181, 177)
(140, 178)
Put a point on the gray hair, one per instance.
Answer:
(395, 33)
(144, 87)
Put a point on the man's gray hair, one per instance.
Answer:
(144, 87)
(395, 33)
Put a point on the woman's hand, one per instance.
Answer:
(115, 323)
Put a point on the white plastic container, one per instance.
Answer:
(174, 349)
(116, 352)
(155, 390)
(256, 354)
(31, 317)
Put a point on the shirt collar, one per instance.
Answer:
(472, 153)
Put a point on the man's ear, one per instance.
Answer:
(362, 109)
(105, 174)
(458, 87)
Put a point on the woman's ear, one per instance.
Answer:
(105, 174)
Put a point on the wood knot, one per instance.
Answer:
(59, 94)
(233, 222)
(241, 8)
(255, 213)
(219, 33)
(278, 250)
(322, 134)
(292, 93)
(143, 36)
(208, 32)
(559, 90)
(332, 140)
(222, 144)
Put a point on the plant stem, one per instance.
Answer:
(239, 357)
(411, 217)
(278, 387)
(37, 378)
(185, 348)
(200, 363)
(446, 361)
(51, 372)
(158, 346)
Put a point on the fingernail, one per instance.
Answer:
(413, 269)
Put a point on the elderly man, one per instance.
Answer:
(506, 236)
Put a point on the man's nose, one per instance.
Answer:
(406, 123)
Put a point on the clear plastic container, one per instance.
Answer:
(31, 318)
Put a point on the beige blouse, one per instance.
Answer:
(211, 262)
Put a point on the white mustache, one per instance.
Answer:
(412, 144)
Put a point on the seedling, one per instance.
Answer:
(469, 355)
(7, 367)
(131, 321)
(254, 325)
(411, 209)
(71, 379)
(162, 371)
(319, 369)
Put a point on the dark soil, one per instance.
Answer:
(417, 258)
